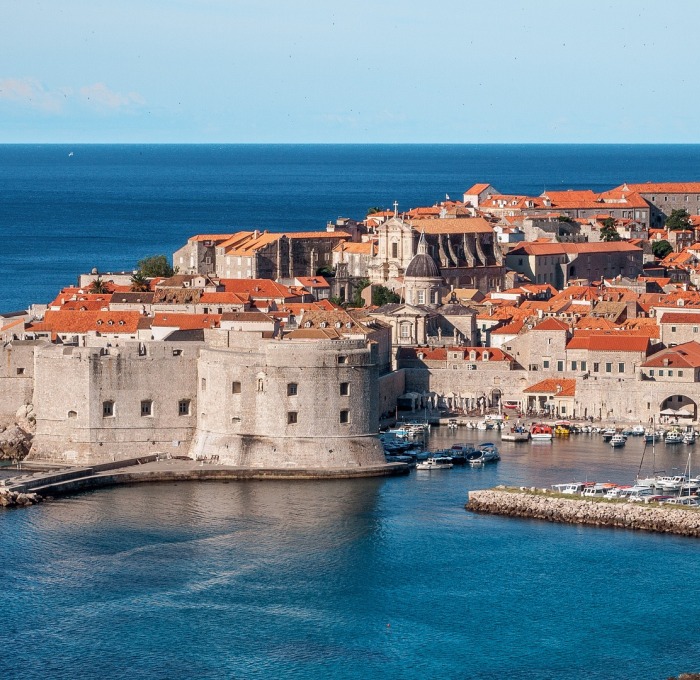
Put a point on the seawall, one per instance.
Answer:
(514, 502)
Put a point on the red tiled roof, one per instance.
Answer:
(73, 321)
(551, 324)
(614, 341)
(686, 355)
(562, 387)
(186, 322)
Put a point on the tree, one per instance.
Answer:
(326, 271)
(661, 249)
(98, 286)
(156, 265)
(381, 295)
(608, 232)
(139, 283)
(374, 209)
(678, 219)
(357, 300)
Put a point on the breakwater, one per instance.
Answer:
(540, 504)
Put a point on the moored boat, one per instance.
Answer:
(434, 464)
(618, 440)
(541, 432)
(517, 433)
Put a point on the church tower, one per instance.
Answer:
(422, 280)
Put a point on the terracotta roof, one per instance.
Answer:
(680, 318)
(440, 353)
(509, 329)
(71, 321)
(663, 187)
(186, 321)
(313, 282)
(477, 188)
(613, 341)
(562, 387)
(251, 317)
(551, 324)
(463, 225)
(364, 248)
(257, 288)
(317, 234)
(686, 355)
(554, 248)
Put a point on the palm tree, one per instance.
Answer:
(98, 286)
(139, 283)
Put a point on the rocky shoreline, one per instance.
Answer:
(541, 504)
(17, 499)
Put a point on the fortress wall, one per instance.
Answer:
(249, 413)
(74, 383)
(16, 378)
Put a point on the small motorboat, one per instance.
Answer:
(618, 440)
(434, 464)
(541, 432)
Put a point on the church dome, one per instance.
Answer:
(422, 266)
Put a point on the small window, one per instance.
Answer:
(596, 367)
(235, 387)
(344, 417)
(670, 373)
(344, 389)
(204, 384)
(147, 408)
(20, 371)
(661, 372)
(574, 365)
(560, 365)
(342, 360)
(680, 374)
(673, 329)
(292, 389)
(651, 372)
(72, 414)
(183, 407)
(107, 409)
(545, 363)
(291, 417)
(177, 352)
(608, 367)
(621, 367)
(583, 365)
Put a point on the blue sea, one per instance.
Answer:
(387, 578)
(67, 209)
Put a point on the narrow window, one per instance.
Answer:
(394, 250)
(651, 373)
(670, 373)
(596, 367)
(608, 367)
(147, 408)
(291, 389)
(661, 372)
(183, 407)
(291, 417)
(204, 384)
(560, 365)
(574, 365)
(583, 365)
(344, 389)
(680, 374)
(621, 367)
(235, 387)
(545, 363)
(344, 417)
(107, 409)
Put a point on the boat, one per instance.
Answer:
(651, 436)
(637, 431)
(599, 490)
(609, 433)
(562, 428)
(572, 488)
(452, 423)
(541, 432)
(689, 435)
(510, 403)
(671, 483)
(517, 433)
(674, 437)
(618, 440)
(489, 454)
(434, 464)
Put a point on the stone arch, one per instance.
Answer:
(685, 407)
(495, 397)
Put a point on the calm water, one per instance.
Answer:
(366, 579)
(109, 206)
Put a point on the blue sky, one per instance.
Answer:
(364, 71)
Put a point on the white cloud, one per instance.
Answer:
(101, 97)
(30, 92)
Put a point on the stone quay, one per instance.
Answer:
(541, 504)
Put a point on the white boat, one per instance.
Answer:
(489, 454)
(637, 431)
(618, 440)
(452, 424)
(598, 490)
(674, 437)
(635, 493)
(541, 432)
(573, 488)
(517, 433)
(671, 483)
(434, 464)
(690, 501)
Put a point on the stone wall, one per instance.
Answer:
(73, 385)
(16, 378)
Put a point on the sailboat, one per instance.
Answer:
(652, 480)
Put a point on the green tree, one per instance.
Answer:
(326, 271)
(381, 295)
(374, 209)
(357, 300)
(98, 286)
(139, 283)
(678, 219)
(156, 265)
(608, 231)
(661, 249)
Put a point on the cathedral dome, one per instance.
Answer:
(422, 266)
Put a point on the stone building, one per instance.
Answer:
(665, 197)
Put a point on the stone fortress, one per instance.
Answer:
(291, 383)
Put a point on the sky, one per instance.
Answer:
(365, 71)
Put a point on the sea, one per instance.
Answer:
(377, 578)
